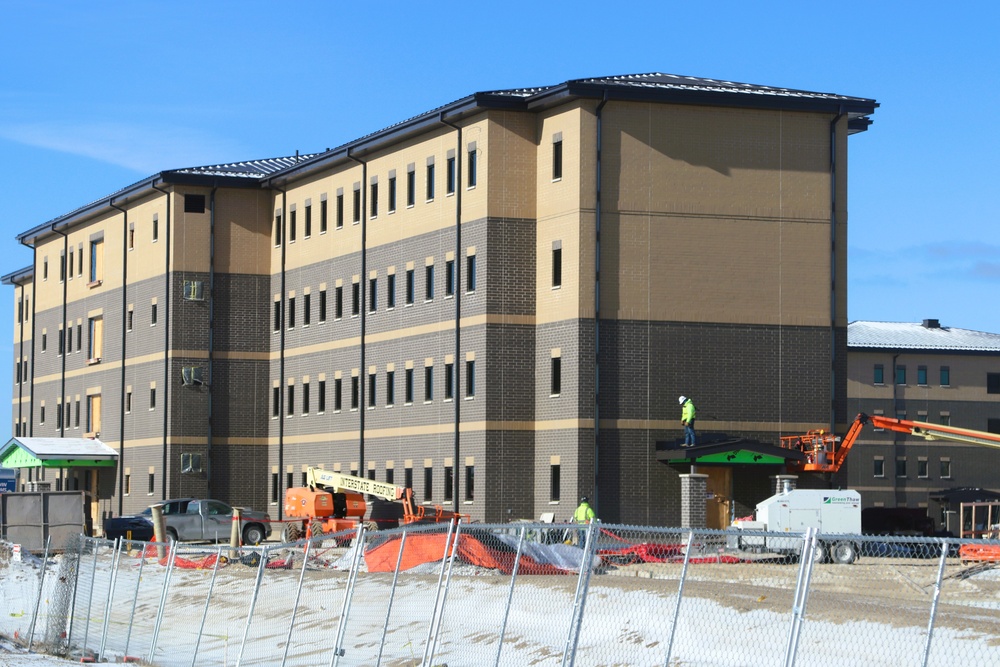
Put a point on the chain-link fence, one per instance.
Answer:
(515, 594)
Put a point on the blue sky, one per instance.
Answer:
(96, 96)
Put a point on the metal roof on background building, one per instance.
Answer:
(926, 335)
(249, 169)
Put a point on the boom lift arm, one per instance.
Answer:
(827, 453)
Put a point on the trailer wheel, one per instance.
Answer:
(844, 553)
(820, 554)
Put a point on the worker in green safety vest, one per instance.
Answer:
(687, 419)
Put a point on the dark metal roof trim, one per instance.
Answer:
(21, 275)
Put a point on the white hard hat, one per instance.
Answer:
(682, 399)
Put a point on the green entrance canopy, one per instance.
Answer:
(57, 453)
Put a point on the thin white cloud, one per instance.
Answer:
(144, 150)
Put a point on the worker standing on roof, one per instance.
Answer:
(687, 419)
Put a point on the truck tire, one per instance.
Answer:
(253, 534)
(820, 554)
(844, 553)
(171, 535)
(291, 533)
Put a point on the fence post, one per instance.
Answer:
(90, 600)
(437, 593)
(163, 599)
(135, 599)
(510, 593)
(582, 583)
(295, 607)
(392, 596)
(359, 547)
(680, 593)
(111, 594)
(934, 602)
(444, 595)
(208, 598)
(806, 559)
(41, 584)
(253, 603)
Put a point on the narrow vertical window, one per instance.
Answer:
(128, 402)
(321, 397)
(152, 398)
(322, 215)
(470, 378)
(374, 200)
(45, 268)
(306, 309)
(338, 394)
(62, 266)
(292, 225)
(156, 228)
(557, 160)
(470, 483)
(428, 484)
(340, 210)
(557, 264)
(409, 287)
(452, 176)
(355, 392)
(411, 187)
(277, 315)
(879, 374)
(470, 273)
(428, 383)
(308, 221)
(97, 261)
(945, 376)
(449, 483)
(556, 374)
(305, 398)
(408, 386)
(152, 483)
(392, 194)
(62, 342)
(129, 319)
(555, 482)
(408, 478)
(290, 401)
(371, 390)
(357, 205)
(430, 181)
(900, 374)
(390, 388)
(290, 315)
(277, 229)
(472, 167)
(338, 305)
(76, 414)
(390, 291)
(449, 382)
(922, 376)
(429, 283)
(152, 316)
(276, 402)
(355, 298)
(322, 305)
(449, 278)
(372, 295)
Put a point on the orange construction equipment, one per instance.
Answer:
(333, 502)
(826, 452)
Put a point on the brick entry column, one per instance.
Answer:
(779, 483)
(693, 487)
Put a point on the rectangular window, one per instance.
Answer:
(152, 315)
(428, 383)
(355, 298)
(76, 414)
(429, 283)
(277, 229)
(470, 273)
(879, 375)
(130, 319)
(470, 483)
(70, 266)
(69, 339)
(156, 229)
(355, 392)
(392, 194)
(321, 397)
(451, 176)
(449, 278)
(945, 376)
(992, 424)
(371, 390)
(69, 407)
(922, 468)
(340, 211)
(59, 417)
(45, 341)
(322, 216)
(409, 287)
(131, 236)
(152, 398)
(338, 303)
(901, 466)
(152, 483)
(292, 225)
(556, 373)
(993, 383)
(276, 402)
(274, 487)
(290, 315)
(62, 342)
(305, 398)
(322, 305)
(557, 160)
(95, 345)
(945, 469)
(79, 336)
(290, 401)
(557, 267)
(408, 386)
(41, 414)
(555, 482)
(878, 468)
(473, 168)
(309, 221)
(389, 476)
(97, 261)
(411, 187)
(357, 206)
(128, 485)
(922, 376)
(428, 484)
(449, 381)
(128, 402)
(900, 374)
(372, 295)
(62, 266)
(374, 199)
(390, 291)
(470, 379)
(306, 309)
(94, 414)
(945, 419)
(338, 394)
(390, 388)
(449, 483)
(277, 315)
(194, 203)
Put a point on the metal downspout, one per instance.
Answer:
(282, 385)
(121, 410)
(833, 270)
(211, 340)
(363, 370)
(31, 388)
(166, 340)
(597, 303)
(458, 308)
(20, 356)
(64, 270)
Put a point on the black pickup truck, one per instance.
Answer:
(194, 520)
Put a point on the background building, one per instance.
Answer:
(930, 373)
(496, 303)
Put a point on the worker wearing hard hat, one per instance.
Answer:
(584, 513)
(687, 419)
